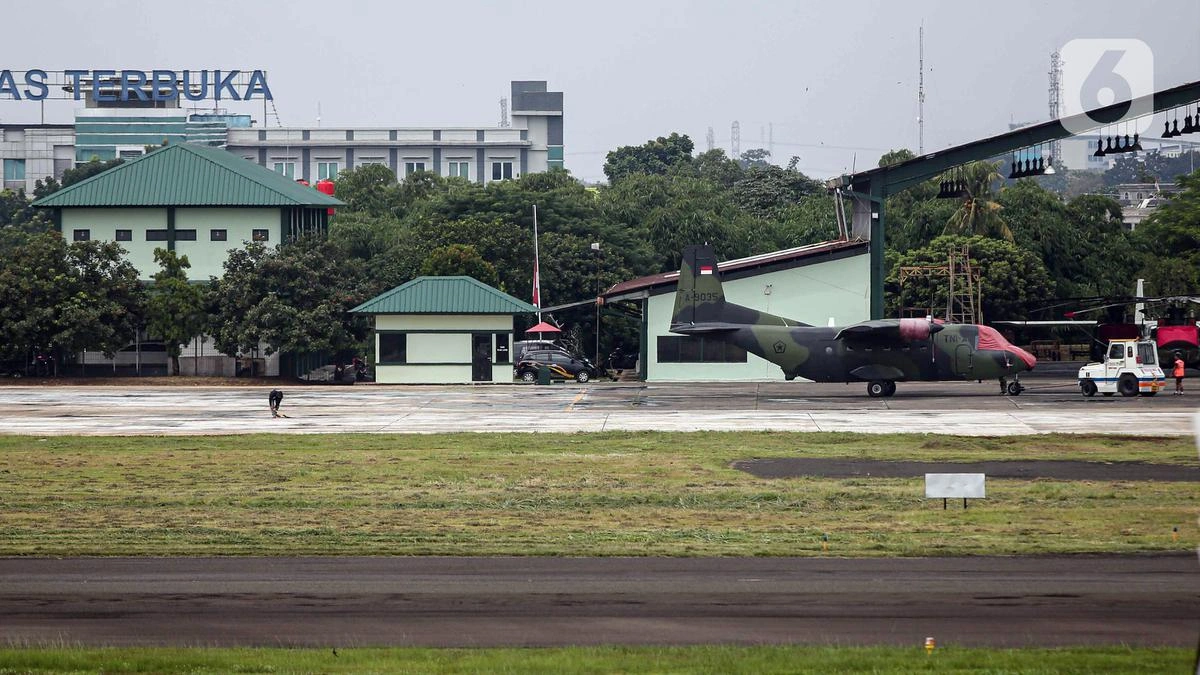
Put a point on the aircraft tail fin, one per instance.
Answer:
(699, 298)
(700, 305)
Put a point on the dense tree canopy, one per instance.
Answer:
(660, 197)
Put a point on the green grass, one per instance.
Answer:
(610, 494)
(705, 659)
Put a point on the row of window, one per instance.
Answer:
(180, 235)
(393, 347)
(500, 170)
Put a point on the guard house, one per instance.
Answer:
(443, 330)
(196, 200)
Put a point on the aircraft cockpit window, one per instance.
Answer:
(1147, 354)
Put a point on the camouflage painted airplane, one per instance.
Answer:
(880, 353)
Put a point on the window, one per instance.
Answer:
(393, 348)
(412, 167)
(672, 349)
(501, 170)
(83, 235)
(286, 168)
(156, 235)
(185, 235)
(14, 169)
(130, 154)
(217, 235)
(327, 170)
(124, 235)
(368, 161)
(261, 235)
(1147, 354)
(1115, 351)
(502, 348)
(460, 169)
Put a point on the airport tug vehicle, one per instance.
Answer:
(1130, 368)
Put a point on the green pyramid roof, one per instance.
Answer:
(444, 295)
(184, 174)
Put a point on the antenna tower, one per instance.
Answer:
(921, 89)
(504, 113)
(711, 139)
(1055, 95)
(735, 140)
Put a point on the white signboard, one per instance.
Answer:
(954, 486)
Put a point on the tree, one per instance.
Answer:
(175, 308)
(1013, 281)
(767, 191)
(1173, 230)
(755, 158)
(978, 212)
(459, 260)
(893, 157)
(292, 299)
(64, 298)
(370, 189)
(91, 168)
(653, 157)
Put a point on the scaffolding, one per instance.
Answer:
(964, 293)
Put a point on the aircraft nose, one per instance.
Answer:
(1029, 359)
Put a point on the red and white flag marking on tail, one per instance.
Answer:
(706, 269)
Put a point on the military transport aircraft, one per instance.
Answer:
(880, 353)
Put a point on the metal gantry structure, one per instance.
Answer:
(869, 189)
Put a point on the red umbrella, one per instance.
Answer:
(543, 327)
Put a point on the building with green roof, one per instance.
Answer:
(443, 330)
(196, 200)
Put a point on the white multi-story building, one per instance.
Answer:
(533, 142)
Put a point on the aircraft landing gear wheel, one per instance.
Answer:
(877, 388)
(1015, 389)
(891, 388)
(1088, 388)
(1128, 385)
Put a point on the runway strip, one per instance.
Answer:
(940, 408)
(460, 602)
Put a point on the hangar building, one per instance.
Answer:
(816, 284)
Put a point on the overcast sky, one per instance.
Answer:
(838, 81)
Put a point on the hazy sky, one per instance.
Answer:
(837, 80)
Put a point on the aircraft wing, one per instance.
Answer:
(889, 330)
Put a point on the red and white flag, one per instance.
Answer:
(537, 280)
(537, 300)
(706, 269)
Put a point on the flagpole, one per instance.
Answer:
(537, 278)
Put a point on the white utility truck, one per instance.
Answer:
(1130, 368)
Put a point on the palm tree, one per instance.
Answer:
(979, 213)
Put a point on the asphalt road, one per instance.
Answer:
(458, 602)
(969, 408)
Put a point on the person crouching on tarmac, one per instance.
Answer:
(1178, 374)
(276, 399)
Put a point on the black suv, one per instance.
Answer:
(561, 364)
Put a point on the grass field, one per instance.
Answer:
(564, 494)
(708, 659)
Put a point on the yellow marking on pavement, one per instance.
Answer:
(571, 405)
